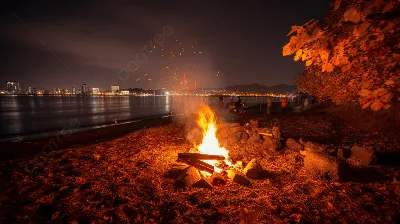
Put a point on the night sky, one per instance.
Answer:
(49, 44)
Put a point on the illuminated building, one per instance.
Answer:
(84, 89)
(95, 91)
(114, 90)
(12, 87)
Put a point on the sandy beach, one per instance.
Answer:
(126, 180)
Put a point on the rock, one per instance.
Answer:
(228, 125)
(261, 130)
(244, 137)
(254, 138)
(223, 133)
(217, 179)
(238, 178)
(321, 165)
(188, 177)
(293, 145)
(176, 170)
(235, 129)
(313, 147)
(202, 183)
(271, 143)
(234, 138)
(254, 123)
(343, 153)
(365, 155)
(276, 133)
(253, 169)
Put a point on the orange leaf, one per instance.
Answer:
(352, 15)
(388, 7)
(365, 93)
(298, 55)
(309, 62)
(297, 29)
(376, 105)
(329, 67)
(367, 104)
(389, 82)
(336, 5)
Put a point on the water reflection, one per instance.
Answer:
(35, 114)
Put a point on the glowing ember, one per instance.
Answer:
(207, 121)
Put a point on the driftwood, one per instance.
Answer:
(198, 156)
(270, 135)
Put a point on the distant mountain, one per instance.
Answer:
(282, 88)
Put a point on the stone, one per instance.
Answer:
(313, 147)
(188, 177)
(254, 123)
(176, 170)
(223, 133)
(276, 133)
(324, 166)
(262, 130)
(244, 137)
(217, 179)
(343, 153)
(202, 183)
(293, 145)
(234, 138)
(271, 143)
(253, 169)
(365, 155)
(238, 178)
(254, 138)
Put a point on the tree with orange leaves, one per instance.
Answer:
(354, 55)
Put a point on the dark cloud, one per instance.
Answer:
(64, 44)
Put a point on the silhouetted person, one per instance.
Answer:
(284, 104)
(269, 105)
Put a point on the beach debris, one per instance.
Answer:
(293, 145)
(253, 169)
(313, 147)
(322, 165)
(217, 179)
(238, 177)
(365, 155)
(202, 183)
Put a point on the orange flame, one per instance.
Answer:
(207, 121)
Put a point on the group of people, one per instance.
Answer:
(284, 104)
(231, 105)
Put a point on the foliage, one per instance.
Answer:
(353, 56)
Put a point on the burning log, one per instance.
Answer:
(200, 165)
(199, 156)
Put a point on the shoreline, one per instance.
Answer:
(64, 138)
